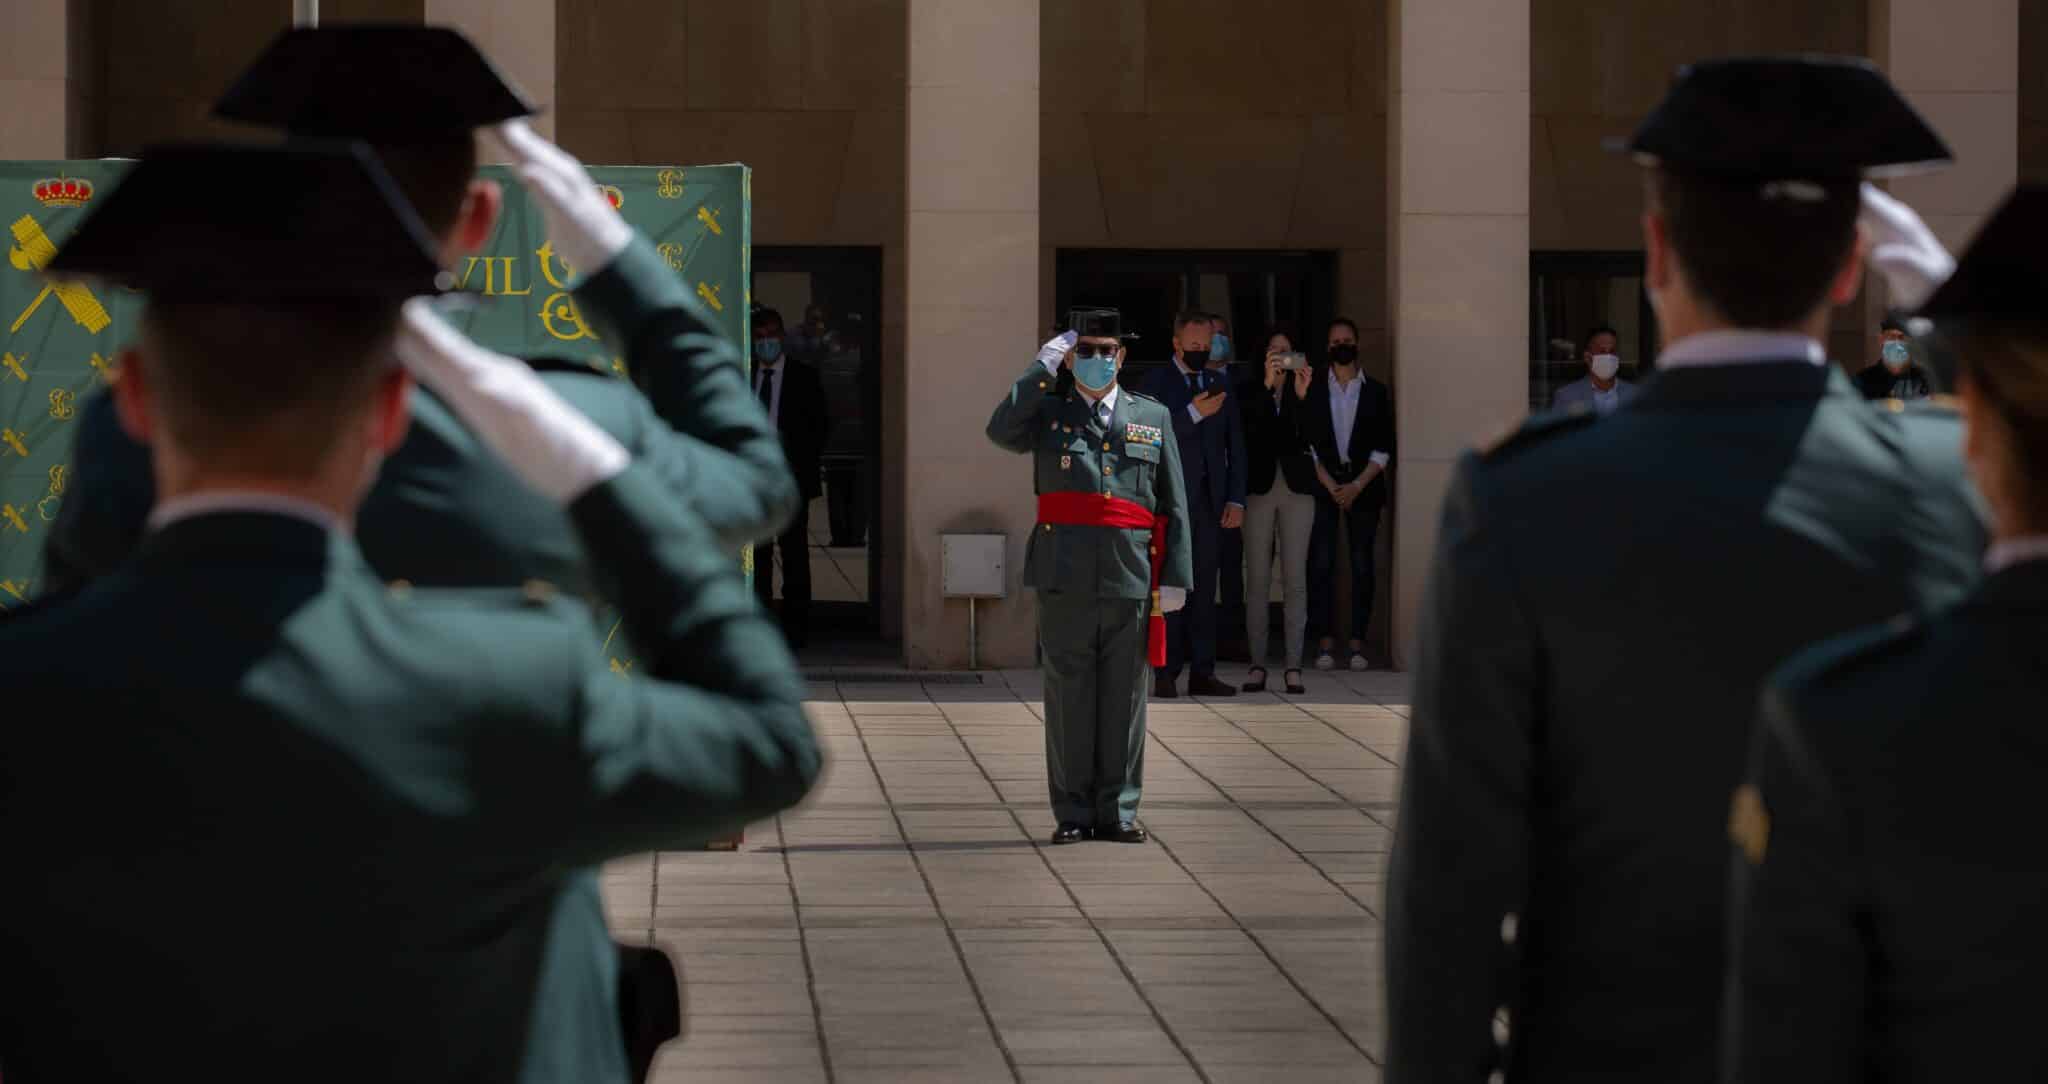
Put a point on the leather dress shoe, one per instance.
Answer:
(1127, 832)
(1162, 689)
(1207, 685)
(1068, 833)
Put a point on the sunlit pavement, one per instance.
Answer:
(908, 924)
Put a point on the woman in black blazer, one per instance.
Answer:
(1280, 507)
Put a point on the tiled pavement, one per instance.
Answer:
(906, 924)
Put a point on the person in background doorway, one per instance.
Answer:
(794, 398)
(1896, 375)
(1351, 416)
(814, 339)
(1280, 507)
(1602, 388)
(1210, 435)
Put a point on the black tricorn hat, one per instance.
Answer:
(384, 83)
(2002, 278)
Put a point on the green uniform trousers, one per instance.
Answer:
(1095, 688)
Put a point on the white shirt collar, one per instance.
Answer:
(2013, 551)
(1108, 398)
(1740, 346)
(193, 505)
(1341, 387)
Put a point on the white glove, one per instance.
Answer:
(1903, 250)
(1171, 599)
(1055, 350)
(583, 225)
(549, 444)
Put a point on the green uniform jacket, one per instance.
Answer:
(1136, 459)
(266, 817)
(446, 512)
(1893, 868)
(1607, 598)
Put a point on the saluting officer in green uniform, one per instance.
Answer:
(445, 512)
(1109, 557)
(360, 820)
(1890, 866)
(1609, 592)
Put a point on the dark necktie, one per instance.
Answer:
(1195, 384)
(768, 391)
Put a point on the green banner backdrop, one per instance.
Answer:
(58, 344)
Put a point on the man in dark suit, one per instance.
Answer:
(794, 397)
(1210, 432)
(425, 778)
(1609, 592)
(1350, 419)
(1895, 375)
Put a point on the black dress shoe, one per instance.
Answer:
(1127, 832)
(1068, 833)
(1162, 689)
(1207, 685)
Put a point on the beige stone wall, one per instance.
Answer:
(163, 63)
(46, 78)
(810, 93)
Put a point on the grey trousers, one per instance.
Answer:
(1288, 518)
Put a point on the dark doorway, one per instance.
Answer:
(1570, 293)
(830, 298)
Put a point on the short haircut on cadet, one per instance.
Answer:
(434, 176)
(1341, 321)
(1756, 261)
(266, 388)
(1188, 316)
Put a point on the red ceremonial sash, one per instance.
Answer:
(1103, 510)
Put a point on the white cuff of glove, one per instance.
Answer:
(586, 230)
(549, 444)
(1171, 599)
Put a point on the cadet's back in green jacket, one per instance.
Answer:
(1891, 883)
(266, 818)
(446, 512)
(1607, 598)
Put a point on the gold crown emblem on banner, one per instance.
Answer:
(612, 195)
(63, 192)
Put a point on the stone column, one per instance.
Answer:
(973, 320)
(1458, 255)
(45, 79)
(518, 36)
(1957, 61)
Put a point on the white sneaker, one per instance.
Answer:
(1324, 661)
(1358, 663)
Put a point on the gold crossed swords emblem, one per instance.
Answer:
(33, 251)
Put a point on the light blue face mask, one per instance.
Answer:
(1219, 347)
(1896, 355)
(767, 351)
(1096, 373)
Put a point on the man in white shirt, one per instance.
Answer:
(1607, 597)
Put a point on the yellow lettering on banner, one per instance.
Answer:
(499, 276)
(510, 275)
(546, 252)
(47, 507)
(468, 270)
(671, 181)
(61, 407)
(671, 254)
(559, 306)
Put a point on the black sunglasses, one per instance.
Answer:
(1094, 350)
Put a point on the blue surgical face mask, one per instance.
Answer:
(1896, 355)
(1219, 347)
(1096, 373)
(767, 351)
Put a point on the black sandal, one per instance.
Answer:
(1258, 686)
(1294, 686)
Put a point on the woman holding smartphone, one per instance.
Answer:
(1280, 505)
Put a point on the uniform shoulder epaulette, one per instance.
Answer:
(562, 365)
(1537, 427)
(1142, 397)
(1847, 654)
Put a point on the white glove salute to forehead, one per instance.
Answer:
(1902, 249)
(1056, 349)
(549, 444)
(585, 228)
